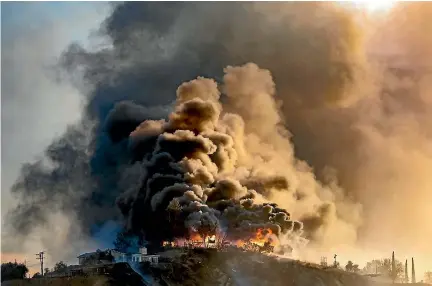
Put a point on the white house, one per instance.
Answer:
(137, 257)
(141, 256)
(118, 256)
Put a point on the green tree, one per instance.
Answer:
(11, 271)
(351, 267)
(373, 266)
(356, 268)
(60, 266)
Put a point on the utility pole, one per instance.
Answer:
(40, 256)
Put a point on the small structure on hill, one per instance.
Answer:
(115, 256)
(323, 261)
(97, 257)
(143, 256)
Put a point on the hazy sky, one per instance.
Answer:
(34, 107)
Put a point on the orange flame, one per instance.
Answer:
(167, 243)
(196, 237)
(259, 239)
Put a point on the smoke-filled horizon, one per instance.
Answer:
(349, 143)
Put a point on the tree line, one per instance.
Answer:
(16, 271)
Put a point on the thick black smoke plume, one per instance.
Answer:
(189, 183)
(123, 153)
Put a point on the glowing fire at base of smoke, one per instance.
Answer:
(263, 240)
(262, 237)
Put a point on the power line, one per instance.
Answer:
(40, 256)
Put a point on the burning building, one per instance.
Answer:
(197, 184)
(263, 241)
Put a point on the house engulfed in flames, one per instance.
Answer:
(263, 240)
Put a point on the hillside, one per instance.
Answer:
(121, 274)
(84, 281)
(210, 268)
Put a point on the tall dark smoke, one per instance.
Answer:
(140, 149)
(189, 183)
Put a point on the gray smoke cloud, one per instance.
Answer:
(329, 142)
(192, 168)
(132, 79)
(36, 108)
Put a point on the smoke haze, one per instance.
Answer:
(36, 107)
(303, 116)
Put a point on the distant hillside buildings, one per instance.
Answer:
(115, 256)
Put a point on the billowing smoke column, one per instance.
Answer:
(363, 134)
(216, 153)
(189, 162)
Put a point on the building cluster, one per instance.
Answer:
(115, 256)
(102, 262)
